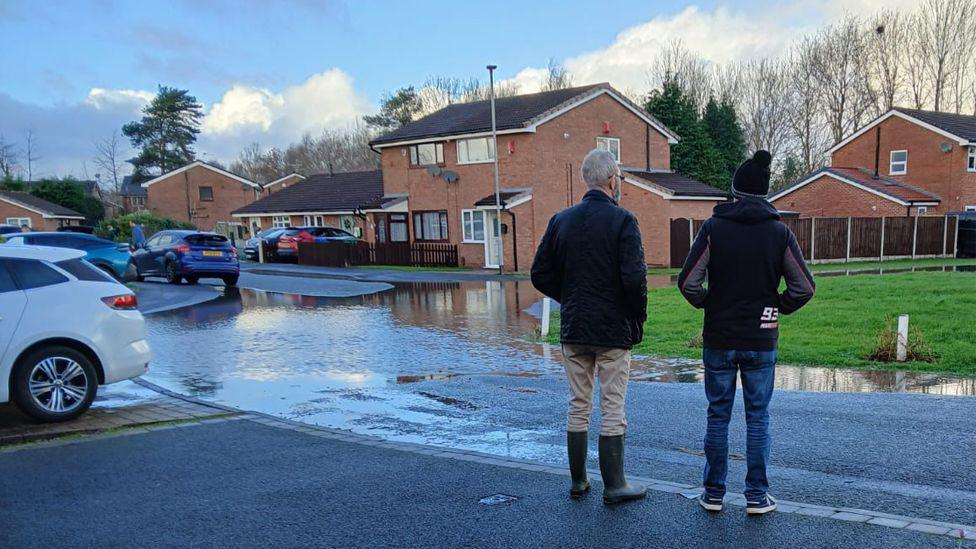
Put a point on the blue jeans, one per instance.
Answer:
(756, 369)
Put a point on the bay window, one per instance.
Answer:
(430, 226)
(475, 151)
(473, 225)
(426, 154)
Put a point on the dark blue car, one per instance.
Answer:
(190, 255)
(112, 257)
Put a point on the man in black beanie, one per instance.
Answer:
(742, 252)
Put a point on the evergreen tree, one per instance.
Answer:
(726, 134)
(166, 133)
(791, 172)
(396, 110)
(71, 193)
(695, 155)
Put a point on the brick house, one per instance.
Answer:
(340, 200)
(282, 182)
(132, 195)
(442, 165)
(203, 195)
(19, 209)
(925, 163)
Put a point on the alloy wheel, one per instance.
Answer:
(58, 384)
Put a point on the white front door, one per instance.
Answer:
(493, 240)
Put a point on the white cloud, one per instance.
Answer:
(102, 98)
(242, 107)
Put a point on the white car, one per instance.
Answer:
(65, 328)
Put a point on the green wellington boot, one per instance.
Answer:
(616, 489)
(576, 447)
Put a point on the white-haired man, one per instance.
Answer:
(591, 260)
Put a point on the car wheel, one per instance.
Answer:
(231, 280)
(172, 275)
(192, 280)
(54, 383)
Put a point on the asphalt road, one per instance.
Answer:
(907, 454)
(240, 484)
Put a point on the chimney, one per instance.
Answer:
(330, 169)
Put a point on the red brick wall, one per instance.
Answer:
(286, 182)
(168, 197)
(827, 197)
(928, 167)
(548, 161)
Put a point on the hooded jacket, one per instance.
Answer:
(742, 252)
(591, 261)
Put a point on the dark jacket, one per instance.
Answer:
(743, 251)
(591, 261)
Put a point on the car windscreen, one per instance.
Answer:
(83, 270)
(214, 240)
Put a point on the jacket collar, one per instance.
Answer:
(598, 196)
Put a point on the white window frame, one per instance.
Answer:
(491, 150)
(414, 154)
(603, 143)
(467, 217)
(971, 159)
(280, 221)
(351, 227)
(20, 221)
(313, 221)
(969, 209)
(892, 163)
(921, 210)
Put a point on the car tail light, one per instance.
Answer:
(183, 248)
(127, 302)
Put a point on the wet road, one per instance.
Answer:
(453, 364)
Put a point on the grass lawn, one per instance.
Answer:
(855, 265)
(840, 326)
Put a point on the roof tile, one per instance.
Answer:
(322, 193)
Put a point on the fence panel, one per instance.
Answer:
(334, 254)
(865, 237)
(930, 235)
(951, 234)
(830, 236)
(801, 228)
(898, 236)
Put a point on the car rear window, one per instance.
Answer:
(31, 273)
(206, 240)
(6, 280)
(83, 270)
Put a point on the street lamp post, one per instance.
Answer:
(497, 227)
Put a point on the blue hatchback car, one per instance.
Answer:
(190, 255)
(112, 257)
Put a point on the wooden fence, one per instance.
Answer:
(410, 254)
(826, 239)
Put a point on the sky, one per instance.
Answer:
(73, 72)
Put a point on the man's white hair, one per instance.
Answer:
(598, 166)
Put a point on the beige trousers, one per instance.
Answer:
(613, 368)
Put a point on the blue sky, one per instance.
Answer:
(267, 71)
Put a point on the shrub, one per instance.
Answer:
(151, 224)
(886, 345)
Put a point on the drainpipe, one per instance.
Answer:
(647, 147)
(877, 150)
(514, 240)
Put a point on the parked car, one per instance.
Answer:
(288, 241)
(86, 229)
(332, 234)
(270, 238)
(112, 257)
(190, 255)
(51, 363)
(9, 229)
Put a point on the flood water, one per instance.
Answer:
(354, 363)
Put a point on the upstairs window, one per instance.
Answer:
(611, 145)
(426, 154)
(971, 161)
(206, 194)
(899, 163)
(475, 151)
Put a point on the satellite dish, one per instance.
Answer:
(434, 171)
(450, 176)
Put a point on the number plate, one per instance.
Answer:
(212, 253)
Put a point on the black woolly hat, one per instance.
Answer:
(752, 176)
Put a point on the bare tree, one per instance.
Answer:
(108, 158)
(9, 159)
(691, 72)
(841, 73)
(763, 106)
(557, 77)
(941, 33)
(809, 137)
(727, 82)
(886, 47)
(30, 154)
